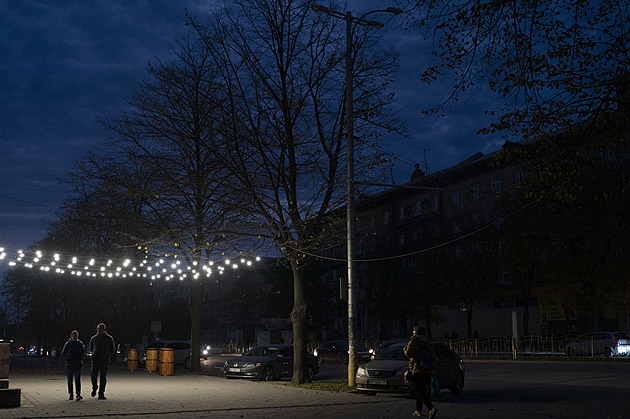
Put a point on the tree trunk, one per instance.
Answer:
(299, 322)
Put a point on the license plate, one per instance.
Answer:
(234, 369)
(377, 382)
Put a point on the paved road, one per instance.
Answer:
(493, 390)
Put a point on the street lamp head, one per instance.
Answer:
(375, 24)
(394, 10)
(318, 8)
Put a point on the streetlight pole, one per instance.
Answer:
(350, 205)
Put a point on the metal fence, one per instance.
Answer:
(527, 346)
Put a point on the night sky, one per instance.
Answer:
(66, 63)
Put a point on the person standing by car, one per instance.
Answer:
(103, 349)
(72, 353)
(421, 367)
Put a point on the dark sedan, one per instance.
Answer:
(386, 372)
(337, 351)
(267, 362)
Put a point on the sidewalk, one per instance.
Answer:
(139, 394)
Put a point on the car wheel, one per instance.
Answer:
(267, 374)
(608, 352)
(187, 363)
(571, 352)
(458, 386)
(310, 373)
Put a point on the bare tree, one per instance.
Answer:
(282, 71)
(174, 115)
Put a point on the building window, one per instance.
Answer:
(401, 239)
(505, 278)
(417, 208)
(455, 198)
(435, 203)
(385, 217)
(499, 219)
(474, 191)
(401, 212)
(519, 176)
(497, 185)
(371, 244)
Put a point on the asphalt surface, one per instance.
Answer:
(494, 390)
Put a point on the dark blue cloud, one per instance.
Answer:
(65, 63)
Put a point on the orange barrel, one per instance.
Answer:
(167, 361)
(132, 359)
(152, 359)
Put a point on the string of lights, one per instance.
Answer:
(166, 267)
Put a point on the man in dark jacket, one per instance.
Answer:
(72, 353)
(422, 366)
(102, 348)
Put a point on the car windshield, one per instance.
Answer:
(262, 351)
(392, 352)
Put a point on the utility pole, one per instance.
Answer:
(350, 204)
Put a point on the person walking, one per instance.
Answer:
(72, 353)
(422, 367)
(102, 348)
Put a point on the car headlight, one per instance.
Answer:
(401, 372)
(205, 352)
(254, 365)
(361, 372)
(225, 364)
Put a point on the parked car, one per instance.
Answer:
(384, 345)
(337, 351)
(600, 343)
(266, 362)
(386, 372)
(181, 351)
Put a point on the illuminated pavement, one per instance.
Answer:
(140, 394)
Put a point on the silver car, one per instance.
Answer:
(386, 372)
(605, 344)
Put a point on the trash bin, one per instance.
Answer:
(132, 359)
(152, 359)
(167, 361)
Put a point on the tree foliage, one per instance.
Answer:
(551, 63)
